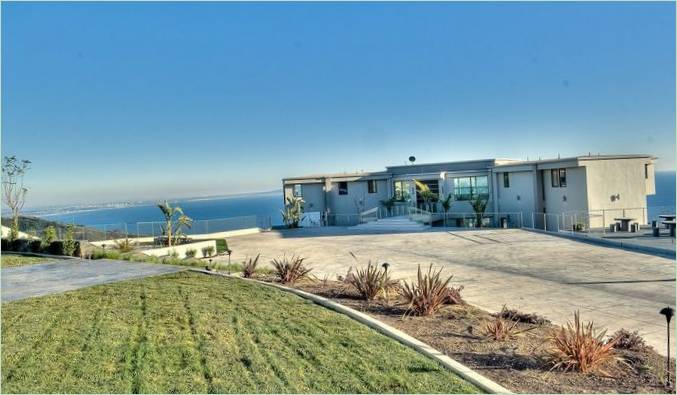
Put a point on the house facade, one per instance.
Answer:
(589, 189)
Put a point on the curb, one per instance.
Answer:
(655, 251)
(454, 366)
(39, 255)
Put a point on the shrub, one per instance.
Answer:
(174, 254)
(124, 245)
(35, 246)
(48, 236)
(5, 245)
(627, 340)
(207, 251)
(190, 253)
(69, 245)
(428, 294)
(290, 269)
(527, 318)
(370, 281)
(580, 347)
(20, 245)
(500, 329)
(249, 266)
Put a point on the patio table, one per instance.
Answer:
(666, 217)
(625, 223)
(671, 225)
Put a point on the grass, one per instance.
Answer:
(19, 260)
(192, 333)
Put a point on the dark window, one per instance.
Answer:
(646, 171)
(343, 187)
(371, 186)
(506, 180)
(555, 178)
(434, 187)
(469, 188)
(563, 177)
(298, 190)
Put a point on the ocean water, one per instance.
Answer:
(267, 207)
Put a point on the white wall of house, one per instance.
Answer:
(619, 187)
(358, 197)
(519, 196)
(572, 197)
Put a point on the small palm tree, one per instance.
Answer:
(293, 211)
(426, 194)
(388, 204)
(446, 206)
(175, 220)
(479, 205)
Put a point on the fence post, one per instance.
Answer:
(545, 222)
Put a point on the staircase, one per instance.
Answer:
(393, 224)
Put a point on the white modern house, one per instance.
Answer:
(587, 191)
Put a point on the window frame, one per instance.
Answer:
(506, 180)
(343, 191)
(298, 193)
(554, 178)
(472, 190)
(646, 171)
(562, 178)
(372, 186)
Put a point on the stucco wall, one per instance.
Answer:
(180, 250)
(519, 196)
(618, 185)
(357, 191)
(575, 193)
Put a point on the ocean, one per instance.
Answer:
(267, 207)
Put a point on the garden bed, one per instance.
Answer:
(520, 363)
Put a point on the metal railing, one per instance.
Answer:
(488, 219)
(100, 232)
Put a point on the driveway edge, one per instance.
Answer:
(655, 251)
(456, 367)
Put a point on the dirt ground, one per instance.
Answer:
(520, 364)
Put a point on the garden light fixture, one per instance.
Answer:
(668, 312)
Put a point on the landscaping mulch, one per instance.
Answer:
(520, 363)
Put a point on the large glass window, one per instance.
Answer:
(343, 187)
(298, 190)
(371, 186)
(468, 188)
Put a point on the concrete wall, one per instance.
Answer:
(519, 196)
(573, 197)
(357, 191)
(313, 196)
(181, 249)
(619, 187)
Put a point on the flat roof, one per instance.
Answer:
(492, 163)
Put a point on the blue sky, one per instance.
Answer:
(115, 101)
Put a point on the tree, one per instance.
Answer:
(13, 189)
(293, 211)
(446, 206)
(426, 194)
(479, 205)
(175, 220)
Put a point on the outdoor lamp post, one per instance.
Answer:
(385, 266)
(668, 312)
(210, 265)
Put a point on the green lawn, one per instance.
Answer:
(189, 332)
(19, 260)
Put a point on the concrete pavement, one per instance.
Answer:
(66, 275)
(528, 271)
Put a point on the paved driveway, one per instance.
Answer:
(66, 275)
(529, 271)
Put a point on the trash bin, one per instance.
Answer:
(656, 231)
(633, 228)
(504, 223)
(654, 224)
(612, 228)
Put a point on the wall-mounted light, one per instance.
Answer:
(564, 198)
(519, 197)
